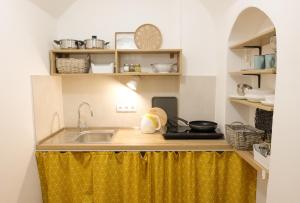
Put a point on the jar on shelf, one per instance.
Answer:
(137, 68)
(131, 68)
(126, 68)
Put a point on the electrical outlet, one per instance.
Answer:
(126, 108)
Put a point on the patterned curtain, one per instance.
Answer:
(145, 177)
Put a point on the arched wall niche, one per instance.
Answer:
(249, 23)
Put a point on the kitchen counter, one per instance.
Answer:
(128, 139)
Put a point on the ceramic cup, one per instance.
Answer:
(259, 62)
(270, 61)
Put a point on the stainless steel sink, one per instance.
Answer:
(95, 136)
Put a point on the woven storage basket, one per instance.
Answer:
(72, 65)
(242, 137)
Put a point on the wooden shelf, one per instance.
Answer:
(258, 40)
(267, 71)
(141, 51)
(252, 104)
(148, 74)
(83, 51)
(174, 53)
(249, 158)
(113, 51)
(119, 74)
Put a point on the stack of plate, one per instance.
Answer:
(264, 96)
(269, 100)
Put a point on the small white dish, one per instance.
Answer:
(267, 103)
(237, 97)
(259, 92)
(255, 98)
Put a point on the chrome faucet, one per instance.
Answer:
(79, 115)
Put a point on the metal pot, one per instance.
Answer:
(67, 44)
(95, 43)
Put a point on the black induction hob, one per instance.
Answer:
(185, 132)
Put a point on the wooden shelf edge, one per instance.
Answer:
(256, 38)
(140, 51)
(249, 158)
(268, 71)
(252, 104)
(83, 51)
(177, 53)
(118, 74)
(113, 51)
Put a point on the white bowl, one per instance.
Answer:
(254, 98)
(237, 97)
(162, 67)
(268, 103)
(259, 91)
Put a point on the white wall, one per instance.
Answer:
(285, 160)
(104, 93)
(183, 24)
(23, 21)
(47, 105)
(25, 35)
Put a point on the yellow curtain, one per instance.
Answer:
(171, 177)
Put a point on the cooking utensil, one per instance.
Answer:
(168, 104)
(150, 123)
(163, 67)
(203, 126)
(241, 89)
(161, 114)
(95, 43)
(67, 44)
(148, 36)
(184, 132)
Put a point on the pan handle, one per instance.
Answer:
(182, 120)
(172, 122)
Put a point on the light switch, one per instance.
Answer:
(126, 108)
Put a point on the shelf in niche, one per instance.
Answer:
(268, 71)
(83, 51)
(252, 104)
(118, 74)
(258, 40)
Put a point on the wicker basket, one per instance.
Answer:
(72, 65)
(242, 137)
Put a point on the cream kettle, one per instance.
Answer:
(150, 123)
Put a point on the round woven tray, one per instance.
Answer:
(148, 36)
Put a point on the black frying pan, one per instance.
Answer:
(204, 126)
